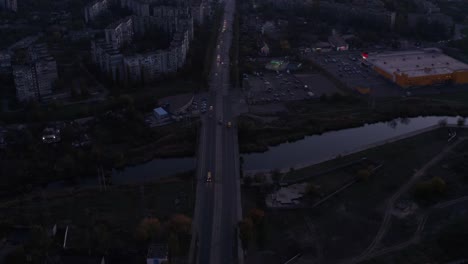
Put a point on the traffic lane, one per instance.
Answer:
(229, 250)
(205, 241)
(207, 189)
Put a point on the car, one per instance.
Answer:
(220, 121)
(229, 124)
(211, 108)
(209, 178)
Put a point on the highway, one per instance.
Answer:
(217, 206)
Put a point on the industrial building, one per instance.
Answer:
(419, 67)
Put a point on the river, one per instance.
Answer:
(309, 150)
(317, 148)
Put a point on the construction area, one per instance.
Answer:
(419, 68)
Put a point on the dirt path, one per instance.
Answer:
(417, 235)
(390, 203)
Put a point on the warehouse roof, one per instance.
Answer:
(417, 63)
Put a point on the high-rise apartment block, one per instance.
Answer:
(175, 19)
(120, 33)
(34, 80)
(94, 9)
(10, 5)
(25, 82)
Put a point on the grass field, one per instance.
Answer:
(347, 223)
(120, 209)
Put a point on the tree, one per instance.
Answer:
(180, 224)
(16, 256)
(148, 229)
(285, 46)
(461, 121)
(427, 190)
(442, 123)
(259, 177)
(276, 175)
(323, 98)
(311, 189)
(246, 232)
(102, 237)
(256, 215)
(174, 245)
(66, 166)
(40, 242)
(453, 239)
(247, 181)
(364, 174)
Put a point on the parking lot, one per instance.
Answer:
(265, 88)
(347, 67)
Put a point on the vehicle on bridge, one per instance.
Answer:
(229, 124)
(209, 177)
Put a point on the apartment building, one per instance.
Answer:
(120, 32)
(10, 5)
(5, 62)
(108, 59)
(25, 83)
(94, 9)
(34, 80)
(174, 19)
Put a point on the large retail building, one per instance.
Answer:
(419, 68)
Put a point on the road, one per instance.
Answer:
(217, 208)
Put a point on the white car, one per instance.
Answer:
(208, 177)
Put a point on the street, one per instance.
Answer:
(217, 208)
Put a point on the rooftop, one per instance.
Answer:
(160, 111)
(417, 63)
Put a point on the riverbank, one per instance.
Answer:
(339, 112)
(381, 151)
